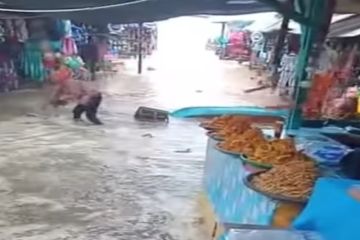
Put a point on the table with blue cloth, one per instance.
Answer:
(232, 201)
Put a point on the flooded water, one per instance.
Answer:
(124, 180)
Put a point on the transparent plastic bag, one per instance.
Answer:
(248, 234)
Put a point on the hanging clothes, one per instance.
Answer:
(345, 72)
(21, 31)
(319, 95)
(9, 27)
(60, 27)
(326, 60)
(238, 46)
(8, 77)
(79, 34)
(32, 62)
(2, 31)
(69, 46)
(287, 74)
(67, 28)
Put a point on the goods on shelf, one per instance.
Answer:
(294, 179)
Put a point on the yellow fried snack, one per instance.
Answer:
(275, 152)
(293, 179)
(243, 143)
(226, 121)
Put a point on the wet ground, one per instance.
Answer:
(124, 180)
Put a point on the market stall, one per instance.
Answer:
(285, 179)
(242, 190)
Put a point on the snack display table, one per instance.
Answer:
(231, 200)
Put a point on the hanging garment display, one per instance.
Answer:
(331, 95)
(129, 35)
(67, 28)
(287, 74)
(21, 31)
(68, 46)
(313, 106)
(10, 31)
(238, 48)
(326, 60)
(8, 77)
(32, 62)
(80, 34)
(345, 72)
(2, 31)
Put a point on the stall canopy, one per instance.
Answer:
(110, 11)
(349, 27)
(294, 27)
(135, 11)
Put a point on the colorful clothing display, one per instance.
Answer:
(8, 77)
(287, 74)
(329, 96)
(237, 47)
(129, 35)
(32, 65)
(20, 30)
(69, 47)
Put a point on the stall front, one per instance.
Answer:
(253, 177)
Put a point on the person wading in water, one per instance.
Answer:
(66, 89)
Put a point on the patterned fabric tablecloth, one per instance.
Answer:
(232, 201)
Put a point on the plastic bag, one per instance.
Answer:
(332, 210)
(246, 234)
(73, 63)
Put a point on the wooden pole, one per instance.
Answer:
(276, 60)
(280, 41)
(140, 56)
(222, 34)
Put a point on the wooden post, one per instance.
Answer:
(222, 34)
(280, 41)
(276, 60)
(140, 52)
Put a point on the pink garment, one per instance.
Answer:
(69, 47)
(238, 38)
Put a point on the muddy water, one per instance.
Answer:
(124, 180)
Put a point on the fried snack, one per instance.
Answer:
(275, 152)
(228, 121)
(243, 143)
(294, 179)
